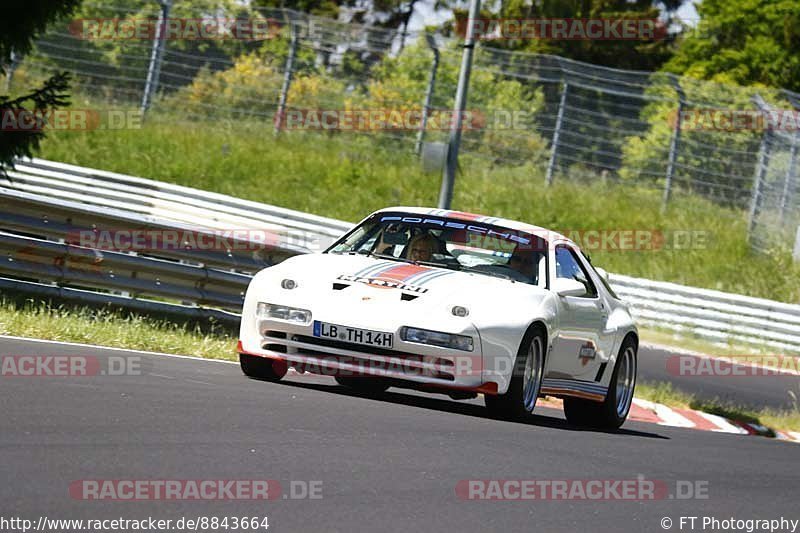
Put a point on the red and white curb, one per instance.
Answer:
(657, 413)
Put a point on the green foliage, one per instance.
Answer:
(18, 139)
(126, 60)
(746, 42)
(250, 87)
(323, 8)
(504, 108)
(627, 54)
(20, 24)
(723, 161)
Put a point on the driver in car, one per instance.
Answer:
(422, 247)
(526, 262)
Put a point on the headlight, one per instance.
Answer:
(436, 338)
(283, 312)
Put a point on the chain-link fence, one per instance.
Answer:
(550, 117)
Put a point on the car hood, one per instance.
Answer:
(363, 278)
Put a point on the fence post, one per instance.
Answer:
(449, 175)
(796, 254)
(287, 80)
(788, 182)
(674, 146)
(12, 66)
(426, 108)
(758, 179)
(548, 179)
(156, 56)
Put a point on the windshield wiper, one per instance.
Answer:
(492, 273)
(370, 253)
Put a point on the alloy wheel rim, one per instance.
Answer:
(533, 370)
(625, 381)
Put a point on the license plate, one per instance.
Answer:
(353, 335)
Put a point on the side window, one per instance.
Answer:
(568, 266)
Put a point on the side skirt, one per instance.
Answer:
(573, 387)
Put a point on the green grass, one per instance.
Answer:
(347, 176)
(665, 393)
(688, 341)
(113, 329)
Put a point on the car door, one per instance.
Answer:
(581, 320)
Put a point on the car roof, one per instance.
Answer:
(545, 233)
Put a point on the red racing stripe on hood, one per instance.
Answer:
(401, 272)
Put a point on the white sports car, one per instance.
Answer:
(445, 301)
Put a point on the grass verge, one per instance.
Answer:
(665, 393)
(113, 329)
(135, 332)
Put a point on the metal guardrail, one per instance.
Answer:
(712, 315)
(37, 225)
(51, 210)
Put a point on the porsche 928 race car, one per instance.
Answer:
(446, 301)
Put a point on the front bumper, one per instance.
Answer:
(421, 365)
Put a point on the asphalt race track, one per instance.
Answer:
(385, 463)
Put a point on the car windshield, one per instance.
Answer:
(449, 243)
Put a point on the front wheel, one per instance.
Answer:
(526, 380)
(262, 367)
(613, 411)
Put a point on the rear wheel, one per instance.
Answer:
(613, 411)
(367, 384)
(262, 367)
(526, 380)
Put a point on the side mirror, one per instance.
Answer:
(568, 287)
(602, 272)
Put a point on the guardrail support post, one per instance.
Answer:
(287, 80)
(426, 108)
(156, 57)
(674, 146)
(548, 179)
(449, 177)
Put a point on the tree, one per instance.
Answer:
(625, 54)
(746, 42)
(20, 23)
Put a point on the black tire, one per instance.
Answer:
(607, 414)
(512, 404)
(262, 367)
(371, 385)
